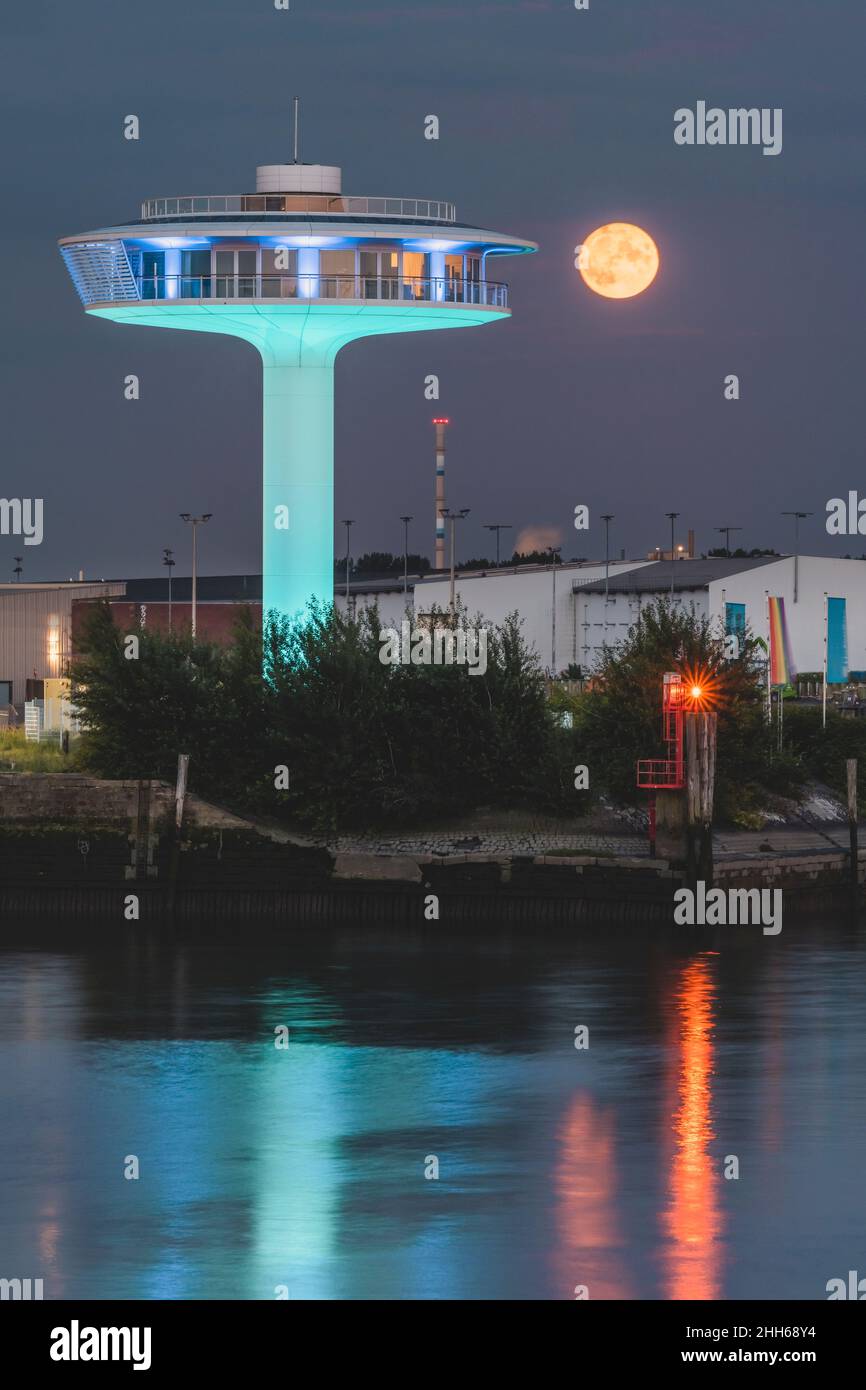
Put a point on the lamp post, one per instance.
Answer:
(405, 520)
(672, 517)
(798, 516)
(607, 518)
(498, 526)
(195, 522)
(169, 560)
(726, 532)
(555, 550)
(348, 525)
(452, 517)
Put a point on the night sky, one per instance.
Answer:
(553, 122)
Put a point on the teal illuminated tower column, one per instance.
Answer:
(298, 344)
(298, 485)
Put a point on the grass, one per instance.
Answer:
(17, 755)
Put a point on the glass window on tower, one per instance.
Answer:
(337, 275)
(279, 272)
(368, 269)
(415, 274)
(153, 274)
(473, 277)
(195, 275)
(390, 265)
(453, 277)
(224, 273)
(247, 274)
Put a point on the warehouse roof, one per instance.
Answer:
(655, 578)
(240, 588)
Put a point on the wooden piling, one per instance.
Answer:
(852, 821)
(701, 735)
(179, 800)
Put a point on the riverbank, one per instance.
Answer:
(91, 850)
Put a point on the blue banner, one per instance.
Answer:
(837, 642)
(735, 619)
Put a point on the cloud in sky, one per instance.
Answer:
(537, 538)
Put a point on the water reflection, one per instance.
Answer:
(591, 1250)
(693, 1219)
(558, 1168)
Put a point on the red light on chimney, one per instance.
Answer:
(441, 421)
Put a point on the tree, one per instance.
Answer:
(382, 562)
(719, 553)
(143, 706)
(365, 743)
(372, 743)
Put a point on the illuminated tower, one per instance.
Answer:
(298, 269)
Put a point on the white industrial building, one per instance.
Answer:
(569, 614)
(552, 628)
(590, 613)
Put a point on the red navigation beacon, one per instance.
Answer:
(667, 774)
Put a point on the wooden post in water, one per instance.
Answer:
(701, 733)
(852, 821)
(180, 792)
(179, 800)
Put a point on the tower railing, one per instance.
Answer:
(490, 293)
(268, 204)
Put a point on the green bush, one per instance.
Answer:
(19, 755)
(822, 753)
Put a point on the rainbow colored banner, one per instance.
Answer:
(781, 665)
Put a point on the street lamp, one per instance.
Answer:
(452, 517)
(672, 517)
(405, 520)
(195, 522)
(348, 525)
(607, 518)
(726, 532)
(798, 516)
(498, 526)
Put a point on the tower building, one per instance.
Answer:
(299, 269)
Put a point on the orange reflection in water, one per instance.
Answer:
(589, 1243)
(693, 1218)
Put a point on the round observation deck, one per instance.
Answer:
(297, 240)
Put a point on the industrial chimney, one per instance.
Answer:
(439, 557)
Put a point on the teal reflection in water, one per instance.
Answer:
(558, 1168)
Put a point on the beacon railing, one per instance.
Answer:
(172, 288)
(332, 205)
(658, 773)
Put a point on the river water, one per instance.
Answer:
(306, 1170)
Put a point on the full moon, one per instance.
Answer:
(618, 260)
